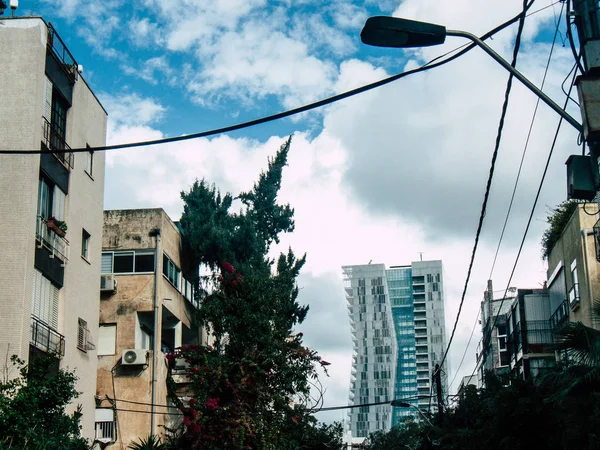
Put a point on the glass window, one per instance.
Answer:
(85, 244)
(144, 262)
(123, 262)
(89, 161)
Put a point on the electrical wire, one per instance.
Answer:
(488, 335)
(571, 41)
(466, 348)
(517, 46)
(537, 104)
(328, 408)
(429, 65)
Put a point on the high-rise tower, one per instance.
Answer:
(399, 334)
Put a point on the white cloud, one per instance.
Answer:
(132, 110)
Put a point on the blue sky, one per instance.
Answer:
(382, 176)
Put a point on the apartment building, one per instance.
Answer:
(147, 309)
(398, 333)
(574, 269)
(52, 203)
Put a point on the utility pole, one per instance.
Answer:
(584, 181)
(436, 377)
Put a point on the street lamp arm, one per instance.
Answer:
(532, 87)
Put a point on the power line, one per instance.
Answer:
(427, 66)
(329, 408)
(537, 104)
(466, 348)
(517, 46)
(537, 196)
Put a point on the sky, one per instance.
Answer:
(384, 176)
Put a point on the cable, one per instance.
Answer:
(537, 104)
(329, 408)
(280, 115)
(491, 174)
(466, 348)
(571, 41)
(530, 217)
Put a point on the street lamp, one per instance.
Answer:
(382, 31)
(401, 404)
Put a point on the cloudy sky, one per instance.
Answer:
(381, 176)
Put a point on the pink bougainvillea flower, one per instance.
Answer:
(228, 267)
(294, 419)
(324, 363)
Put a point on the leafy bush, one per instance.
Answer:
(557, 219)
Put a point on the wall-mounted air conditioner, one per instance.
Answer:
(134, 357)
(108, 283)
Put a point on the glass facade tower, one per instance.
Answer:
(398, 333)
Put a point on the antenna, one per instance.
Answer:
(421, 255)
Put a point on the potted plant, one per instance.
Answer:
(58, 226)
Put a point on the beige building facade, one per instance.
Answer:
(573, 269)
(147, 309)
(50, 279)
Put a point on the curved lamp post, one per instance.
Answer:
(383, 31)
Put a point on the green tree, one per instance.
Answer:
(244, 386)
(557, 219)
(32, 408)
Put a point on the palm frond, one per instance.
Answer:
(581, 343)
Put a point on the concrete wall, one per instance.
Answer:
(22, 62)
(23, 50)
(130, 230)
(572, 246)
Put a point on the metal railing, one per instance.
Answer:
(560, 316)
(57, 245)
(61, 52)
(596, 229)
(56, 144)
(46, 338)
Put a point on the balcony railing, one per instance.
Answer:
(55, 144)
(62, 54)
(560, 316)
(47, 339)
(57, 245)
(574, 296)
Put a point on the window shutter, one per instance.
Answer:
(107, 263)
(48, 99)
(107, 339)
(58, 203)
(45, 300)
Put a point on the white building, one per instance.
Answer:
(399, 335)
(50, 280)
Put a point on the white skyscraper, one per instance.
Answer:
(399, 335)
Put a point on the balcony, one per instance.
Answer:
(560, 316)
(59, 50)
(46, 338)
(57, 246)
(54, 143)
(574, 297)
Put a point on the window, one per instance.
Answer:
(171, 271)
(107, 339)
(128, 262)
(58, 121)
(105, 424)
(89, 161)
(82, 335)
(85, 244)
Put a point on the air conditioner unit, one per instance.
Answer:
(108, 283)
(134, 357)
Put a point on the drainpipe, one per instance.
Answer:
(155, 345)
(584, 235)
